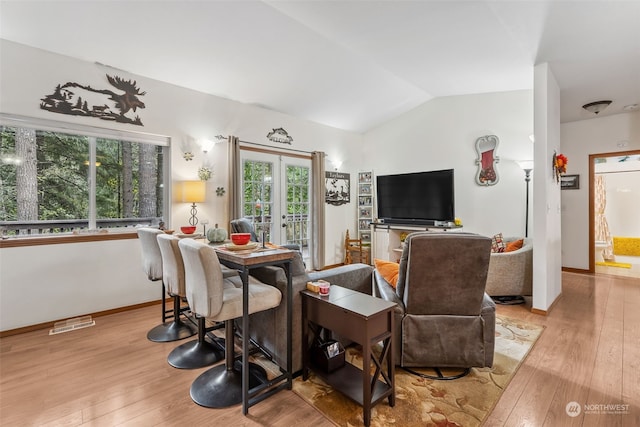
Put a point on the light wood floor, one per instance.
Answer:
(110, 374)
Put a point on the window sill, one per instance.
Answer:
(17, 242)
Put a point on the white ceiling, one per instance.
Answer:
(349, 64)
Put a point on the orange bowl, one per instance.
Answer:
(188, 229)
(240, 238)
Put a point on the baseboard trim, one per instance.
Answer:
(547, 311)
(576, 270)
(49, 325)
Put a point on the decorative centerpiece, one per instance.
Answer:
(216, 235)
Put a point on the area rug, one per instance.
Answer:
(614, 264)
(422, 402)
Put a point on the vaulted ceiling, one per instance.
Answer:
(349, 64)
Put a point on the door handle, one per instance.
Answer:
(284, 225)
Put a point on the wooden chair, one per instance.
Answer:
(355, 251)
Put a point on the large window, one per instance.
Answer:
(57, 182)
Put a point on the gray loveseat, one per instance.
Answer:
(268, 328)
(511, 273)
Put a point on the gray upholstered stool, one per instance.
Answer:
(213, 297)
(152, 266)
(193, 354)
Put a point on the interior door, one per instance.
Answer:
(276, 197)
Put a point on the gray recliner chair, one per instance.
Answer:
(443, 317)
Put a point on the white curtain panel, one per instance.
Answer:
(601, 224)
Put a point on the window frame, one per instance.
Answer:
(92, 133)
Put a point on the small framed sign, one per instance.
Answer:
(337, 188)
(569, 182)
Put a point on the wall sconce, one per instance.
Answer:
(207, 145)
(193, 192)
(596, 107)
(336, 164)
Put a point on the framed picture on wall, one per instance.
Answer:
(337, 188)
(570, 182)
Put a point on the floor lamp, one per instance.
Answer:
(193, 192)
(527, 167)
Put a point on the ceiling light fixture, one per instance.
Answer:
(596, 107)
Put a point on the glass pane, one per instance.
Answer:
(45, 186)
(44, 181)
(128, 182)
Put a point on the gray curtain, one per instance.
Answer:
(317, 210)
(235, 209)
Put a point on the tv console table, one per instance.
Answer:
(385, 238)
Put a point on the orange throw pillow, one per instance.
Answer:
(514, 246)
(388, 270)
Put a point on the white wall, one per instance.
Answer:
(608, 134)
(441, 134)
(27, 75)
(623, 203)
(45, 283)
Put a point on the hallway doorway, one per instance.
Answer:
(614, 200)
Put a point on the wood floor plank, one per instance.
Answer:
(631, 354)
(110, 374)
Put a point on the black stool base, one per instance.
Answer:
(508, 300)
(221, 388)
(196, 354)
(439, 375)
(171, 331)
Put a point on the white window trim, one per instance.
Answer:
(98, 132)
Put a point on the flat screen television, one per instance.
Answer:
(416, 198)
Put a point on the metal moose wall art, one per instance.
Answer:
(83, 100)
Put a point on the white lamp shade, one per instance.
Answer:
(525, 164)
(193, 191)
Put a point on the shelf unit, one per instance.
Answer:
(365, 206)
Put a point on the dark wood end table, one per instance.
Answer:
(365, 320)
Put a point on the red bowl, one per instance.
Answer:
(240, 238)
(188, 229)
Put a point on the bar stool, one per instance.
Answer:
(213, 297)
(152, 266)
(193, 354)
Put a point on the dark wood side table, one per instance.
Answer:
(365, 320)
(244, 262)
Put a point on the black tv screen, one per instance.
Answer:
(416, 198)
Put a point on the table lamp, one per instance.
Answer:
(193, 192)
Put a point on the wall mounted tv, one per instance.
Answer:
(416, 198)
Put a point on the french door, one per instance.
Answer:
(275, 196)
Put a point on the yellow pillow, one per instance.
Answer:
(388, 270)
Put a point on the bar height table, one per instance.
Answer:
(244, 261)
